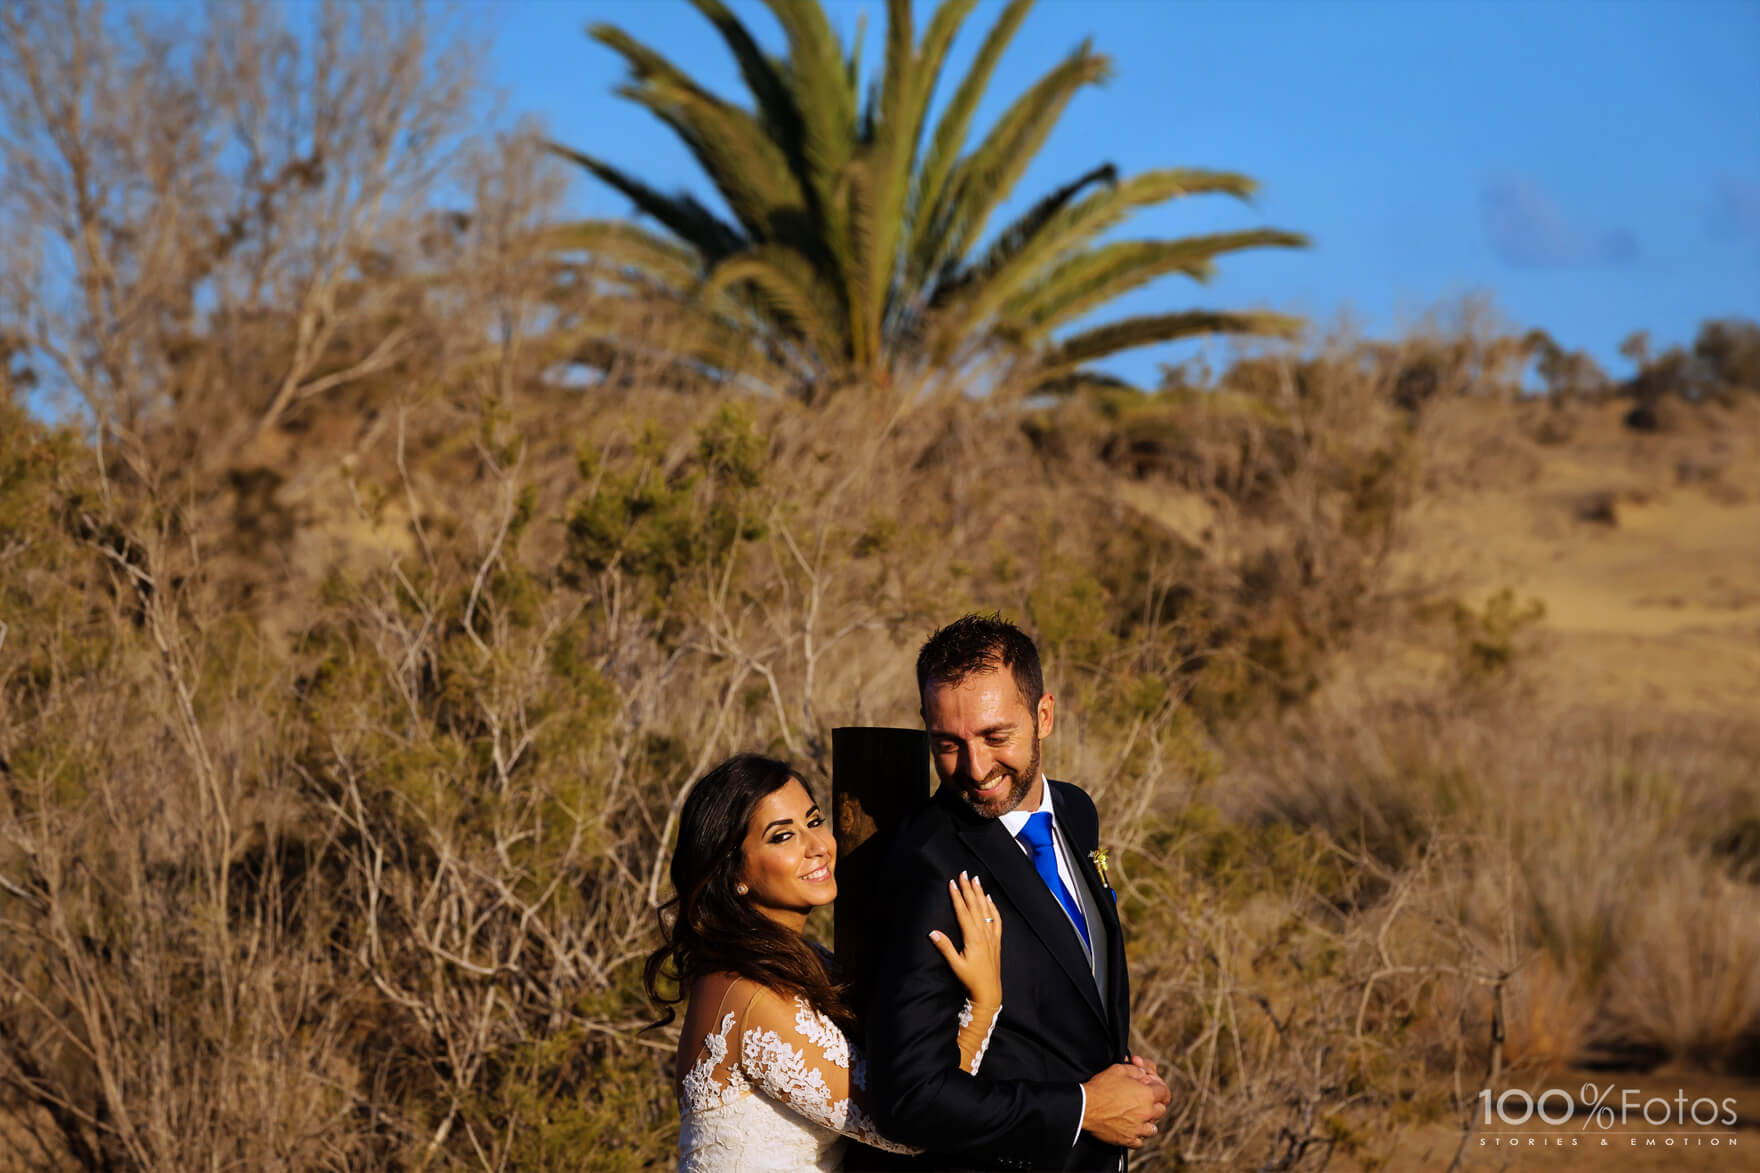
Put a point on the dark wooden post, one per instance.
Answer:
(877, 777)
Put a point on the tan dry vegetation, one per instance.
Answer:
(1350, 817)
(1644, 550)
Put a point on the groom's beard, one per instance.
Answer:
(1019, 782)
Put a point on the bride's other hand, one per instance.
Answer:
(978, 966)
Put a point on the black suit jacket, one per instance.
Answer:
(1056, 1030)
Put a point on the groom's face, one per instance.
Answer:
(985, 739)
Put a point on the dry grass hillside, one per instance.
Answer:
(1643, 548)
(1404, 724)
(1604, 589)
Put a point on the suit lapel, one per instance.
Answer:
(1008, 867)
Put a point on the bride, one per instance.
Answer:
(766, 1074)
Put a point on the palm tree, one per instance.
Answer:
(853, 252)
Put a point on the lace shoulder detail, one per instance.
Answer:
(822, 1033)
(782, 1069)
(777, 1079)
(805, 1062)
(699, 1089)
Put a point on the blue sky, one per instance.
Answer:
(1591, 167)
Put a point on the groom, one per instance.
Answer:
(1058, 1088)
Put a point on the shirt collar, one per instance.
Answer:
(1015, 820)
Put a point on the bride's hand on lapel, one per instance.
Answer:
(978, 966)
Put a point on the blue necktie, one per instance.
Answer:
(1037, 836)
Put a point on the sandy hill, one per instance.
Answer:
(1644, 549)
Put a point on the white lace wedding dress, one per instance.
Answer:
(777, 1086)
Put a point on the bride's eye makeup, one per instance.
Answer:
(814, 819)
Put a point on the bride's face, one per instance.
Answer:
(790, 856)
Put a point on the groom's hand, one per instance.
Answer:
(1147, 1067)
(1123, 1103)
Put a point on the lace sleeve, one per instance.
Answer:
(976, 1025)
(798, 1057)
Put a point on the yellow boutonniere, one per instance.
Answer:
(1098, 856)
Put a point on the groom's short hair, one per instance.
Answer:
(980, 643)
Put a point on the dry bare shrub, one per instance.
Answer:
(253, 254)
(257, 193)
(1276, 1015)
(782, 565)
(460, 783)
(1569, 818)
(1688, 986)
(1548, 1014)
(1268, 506)
(159, 1007)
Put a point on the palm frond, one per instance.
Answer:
(789, 290)
(955, 124)
(1091, 384)
(645, 63)
(949, 16)
(1019, 259)
(1093, 278)
(1032, 241)
(1147, 329)
(862, 306)
(774, 99)
(628, 245)
(670, 330)
(890, 149)
(681, 214)
(850, 246)
(852, 66)
(735, 150)
(818, 81)
(743, 163)
(1016, 236)
(985, 178)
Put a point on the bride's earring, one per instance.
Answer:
(741, 889)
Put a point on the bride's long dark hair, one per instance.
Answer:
(707, 927)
